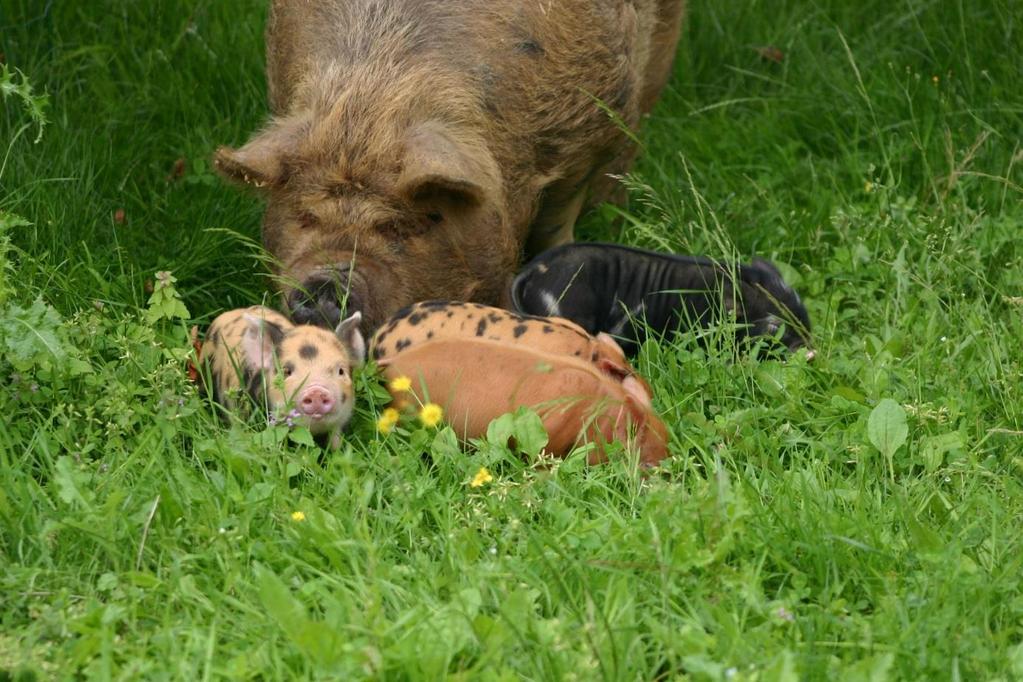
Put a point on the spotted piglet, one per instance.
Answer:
(258, 353)
(480, 362)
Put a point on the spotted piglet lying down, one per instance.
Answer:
(479, 362)
(256, 352)
(624, 291)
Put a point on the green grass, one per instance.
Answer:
(789, 538)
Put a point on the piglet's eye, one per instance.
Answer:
(340, 371)
(288, 369)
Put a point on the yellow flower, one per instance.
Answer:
(868, 187)
(481, 478)
(400, 384)
(388, 418)
(297, 516)
(431, 414)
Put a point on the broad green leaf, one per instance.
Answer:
(32, 336)
(521, 431)
(934, 448)
(71, 483)
(870, 669)
(925, 539)
(445, 444)
(301, 436)
(782, 669)
(279, 602)
(165, 301)
(886, 427)
(849, 393)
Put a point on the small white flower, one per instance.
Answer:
(731, 672)
(222, 530)
(944, 339)
(784, 614)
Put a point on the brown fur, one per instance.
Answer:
(432, 141)
(481, 362)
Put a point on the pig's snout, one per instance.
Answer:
(323, 298)
(316, 402)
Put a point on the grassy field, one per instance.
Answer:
(855, 519)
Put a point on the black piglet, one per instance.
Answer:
(625, 292)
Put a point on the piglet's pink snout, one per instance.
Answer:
(316, 401)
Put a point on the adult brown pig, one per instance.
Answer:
(419, 147)
(479, 362)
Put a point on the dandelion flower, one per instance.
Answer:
(481, 478)
(400, 384)
(431, 414)
(297, 516)
(388, 418)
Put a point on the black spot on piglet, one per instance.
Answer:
(308, 351)
(519, 330)
(481, 327)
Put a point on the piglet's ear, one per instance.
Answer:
(258, 342)
(613, 368)
(348, 333)
(611, 359)
(638, 390)
(260, 163)
(440, 166)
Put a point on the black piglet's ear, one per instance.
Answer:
(348, 333)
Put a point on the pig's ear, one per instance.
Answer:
(613, 368)
(612, 345)
(638, 390)
(348, 333)
(439, 165)
(612, 360)
(259, 340)
(260, 162)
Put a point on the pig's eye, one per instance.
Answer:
(403, 229)
(340, 371)
(288, 369)
(307, 219)
(435, 217)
